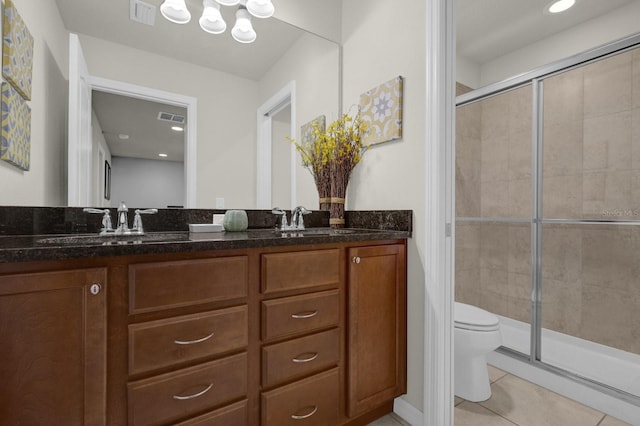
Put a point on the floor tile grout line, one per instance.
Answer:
(497, 414)
(604, 416)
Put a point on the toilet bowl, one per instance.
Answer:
(476, 333)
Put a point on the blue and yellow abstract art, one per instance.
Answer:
(16, 128)
(381, 109)
(17, 51)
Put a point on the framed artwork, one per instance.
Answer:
(306, 130)
(17, 51)
(381, 109)
(107, 180)
(15, 147)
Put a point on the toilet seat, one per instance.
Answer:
(468, 317)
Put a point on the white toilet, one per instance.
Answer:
(476, 333)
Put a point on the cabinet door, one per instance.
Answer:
(53, 348)
(377, 326)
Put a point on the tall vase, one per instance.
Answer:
(336, 211)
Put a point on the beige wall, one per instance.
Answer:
(591, 170)
(391, 175)
(314, 64)
(46, 181)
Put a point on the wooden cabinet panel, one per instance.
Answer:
(299, 270)
(163, 285)
(287, 316)
(309, 402)
(172, 396)
(157, 344)
(376, 326)
(299, 357)
(53, 348)
(232, 415)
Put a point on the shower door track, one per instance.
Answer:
(536, 78)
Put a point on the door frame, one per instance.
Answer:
(283, 98)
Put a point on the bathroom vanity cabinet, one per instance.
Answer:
(53, 347)
(294, 335)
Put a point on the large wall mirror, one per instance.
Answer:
(229, 81)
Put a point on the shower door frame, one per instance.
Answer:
(536, 78)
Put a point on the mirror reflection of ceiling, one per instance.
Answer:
(131, 127)
(490, 29)
(109, 20)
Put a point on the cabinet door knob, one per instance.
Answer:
(95, 288)
(356, 259)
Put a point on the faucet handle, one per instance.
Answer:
(137, 219)
(106, 219)
(283, 222)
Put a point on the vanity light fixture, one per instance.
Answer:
(211, 20)
(558, 6)
(177, 128)
(260, 8)
(175, 11)
(162, 155)
(243, 31)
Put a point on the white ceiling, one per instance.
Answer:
(488, 29)
(109, 20)
(137, 119)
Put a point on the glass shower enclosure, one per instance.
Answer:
(548, 214)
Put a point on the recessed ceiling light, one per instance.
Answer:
(123, 136)
(558, 6)
(162, 155)
(177, 128)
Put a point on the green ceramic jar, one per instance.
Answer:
(235, 221)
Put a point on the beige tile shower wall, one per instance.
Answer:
(592, 141)
(493, 180)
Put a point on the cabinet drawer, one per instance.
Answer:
(300, 357)
(162, 285)
(312, 401)
(157, 344)
(290, 315)
(232, 415)
(168, 397)
(303, 269)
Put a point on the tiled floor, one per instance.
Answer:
(516, 402)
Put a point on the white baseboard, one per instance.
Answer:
(408, 412)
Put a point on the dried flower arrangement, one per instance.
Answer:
(331, 154)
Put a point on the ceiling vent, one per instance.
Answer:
(170, 117)
(142, 12)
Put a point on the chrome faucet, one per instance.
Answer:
(137, 220)
(122, 224)
(297, 217)
(106, 219)
(283, 218)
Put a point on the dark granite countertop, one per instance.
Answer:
(34, 233)
(59, 247)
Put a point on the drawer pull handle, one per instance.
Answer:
(302, 360)
(195, 395)
(192, 342)
(303, 315)
(305, 416)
